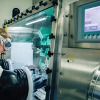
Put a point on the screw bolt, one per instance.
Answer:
(71, 36)
(63, 53)
(61, 73)
(65, 34)
(67, 15)
(60, 92)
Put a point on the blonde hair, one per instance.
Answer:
(4, 34)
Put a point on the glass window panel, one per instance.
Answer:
(31, 43)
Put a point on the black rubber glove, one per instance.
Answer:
(9, 86)
(13, 85)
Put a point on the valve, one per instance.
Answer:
(53, 18)
(4, 23)
(16, 18)
(23, 14)
(28, 11)
(12, 20)
(49, 54)
(47, 88)
(4, 27)
(37, 7)
(48, 71)
(33, 7)
(51, 36)
(55, 2)
(9, 22)
(19, 16)
(41, 3)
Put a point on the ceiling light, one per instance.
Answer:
(36, 21)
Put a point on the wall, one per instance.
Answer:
(6, 7)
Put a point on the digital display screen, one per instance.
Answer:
(92, 19)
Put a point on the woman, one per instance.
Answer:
(6, 77)
(13, 86)
(5, 40)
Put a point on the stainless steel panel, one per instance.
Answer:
(76, 74)
(73, 27)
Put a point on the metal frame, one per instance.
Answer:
(57, 29)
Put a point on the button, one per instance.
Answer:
(94, 36)
(89, 36)
(85, 36)
(98, 36)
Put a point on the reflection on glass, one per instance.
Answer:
(33, 31)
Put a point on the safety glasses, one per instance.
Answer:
(5, 43)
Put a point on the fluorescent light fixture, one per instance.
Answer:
(36, 21)
(21, 30)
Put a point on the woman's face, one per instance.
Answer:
(2, 47)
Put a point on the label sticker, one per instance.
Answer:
(70, 58)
